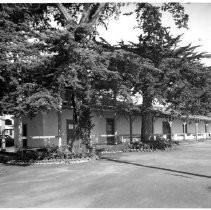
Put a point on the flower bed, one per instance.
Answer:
(50, 162)
(48, 156)
(151, 146)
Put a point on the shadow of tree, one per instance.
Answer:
(155, 167)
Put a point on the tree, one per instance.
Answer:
(53, 59)
(36, 73)
(173, 85)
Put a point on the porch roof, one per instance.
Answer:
(161, 112)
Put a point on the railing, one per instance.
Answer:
(117, 139)
(186, 136)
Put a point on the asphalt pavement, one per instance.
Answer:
(177, 178)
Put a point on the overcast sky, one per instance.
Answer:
(199, 32)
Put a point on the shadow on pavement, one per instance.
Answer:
(155, 167)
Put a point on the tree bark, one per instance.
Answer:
(65, 13)
(18, 133)
(131, 128)
(147, 119)
(89, 16)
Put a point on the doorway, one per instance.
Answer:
(166, 128)
(69, 130)
(110, 131)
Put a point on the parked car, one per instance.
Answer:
(9, 141)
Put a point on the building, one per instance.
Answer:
(110, 127)
(6, 125)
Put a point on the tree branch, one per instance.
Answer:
(95, 16)
(86, 13)
(65, 13)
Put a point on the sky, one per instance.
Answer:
(199, 32)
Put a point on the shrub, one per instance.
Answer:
(160, 143)
(51, 152)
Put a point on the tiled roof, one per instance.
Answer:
(176, 114)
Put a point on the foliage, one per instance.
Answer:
(51, 153)
(40, 61)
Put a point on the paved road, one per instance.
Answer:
(180, 178)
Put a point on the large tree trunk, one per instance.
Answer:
(147, 119)
(89, 18)
(131, 128)
(147, 126)
(18, 133)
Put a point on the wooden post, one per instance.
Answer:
(131, 128)
(170, 124)
(115, 131)
(196, 130)
(59, 113)
(206, 125)
(3, 142)
(184, 123)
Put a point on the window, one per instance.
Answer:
(166, 127)
(24, 130)
(8, 122)
(67, 97)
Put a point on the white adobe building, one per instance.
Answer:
(110, 128)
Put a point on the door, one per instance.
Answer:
(110, 130)
(166, 128)
(69, 130)
(185, 128)
(24, 134)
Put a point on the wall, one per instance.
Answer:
(50, 123)
(122, 126)
(42, 142)
(34, 125)
(46, 124)
(177, 126)
(158, 129)
(34, 128)
(201, 127)
(209, 128)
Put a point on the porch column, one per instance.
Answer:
(131, 128)
(206, 126)
(170, 125)
(59, 113)
(184, 125)
(196, 130)
(115, 129)
(3, 141)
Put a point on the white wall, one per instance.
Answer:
(209, 128)
(46, 124)
(34, 125)
(50, 123)
(158, 127)
(122, 126)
